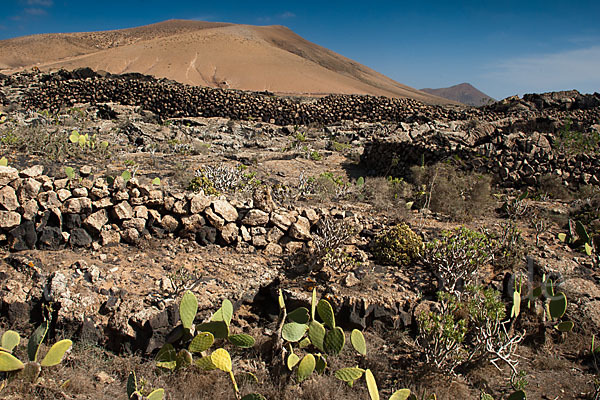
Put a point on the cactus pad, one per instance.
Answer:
(157, 394)
(371, 385)
(326, 313)
(321, 363)
(565, 326)
(313, 303)
(334, 341)
(518, 395)
(219, 329)
(10, 340)
(56, 353)
(166, 357)
(184, 359)
(293, 331)
(306, 367)
(558, 306)
(349, 374)
(201, 342)
(225, 313)
(242, 341)
(188, 309)
(516, 307)
(358, 342)
(205, 363)
(299, 315)
(316, 334)
(281, 300)
(221, 359)
(402, 394)
(292, 360)
(131, 384)
(36, 339)
(582, 232)
(8, 362)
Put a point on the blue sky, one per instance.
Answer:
(502, 47)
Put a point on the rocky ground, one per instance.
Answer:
(112, 249)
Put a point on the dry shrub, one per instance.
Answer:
(445, 189)
(387, 195)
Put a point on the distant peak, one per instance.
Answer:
(463, 92)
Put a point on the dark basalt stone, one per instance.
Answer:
(80, 238)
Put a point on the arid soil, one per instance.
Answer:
(117, 298)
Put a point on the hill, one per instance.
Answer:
(463, 93)
(259, 58)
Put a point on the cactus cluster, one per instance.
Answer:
(30, 370)
(577, 237)
(555, 304)
(198, 339)
(317, 338)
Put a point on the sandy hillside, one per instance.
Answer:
(212, 54)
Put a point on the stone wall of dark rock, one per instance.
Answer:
(516, 160)
(170, 99)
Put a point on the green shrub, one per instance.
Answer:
(574, 142)
(456, 256)
(397, 246)
(466, 328)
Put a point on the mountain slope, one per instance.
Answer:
(212, 54)
(464, 93)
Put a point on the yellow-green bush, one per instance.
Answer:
(398, 245)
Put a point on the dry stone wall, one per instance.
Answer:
(37, 211)
(170, 99)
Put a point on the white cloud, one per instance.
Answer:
(571, 69)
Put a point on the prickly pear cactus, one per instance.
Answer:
(402, 394)
(9, 340)
(349, 374)
(293, 331)
(242, 341)
(316, 334)
(299, 315)
(334, 341)
(201, 342)
(56, 353)
(188, 309)
(358, 342)
(221, 359)
(292, 360)
(225, 313)
(325, 311)
(9, 363)
(371, 385)
(306, 367)
(558, 306)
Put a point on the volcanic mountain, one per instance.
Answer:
(259, 58)
(463, 93)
